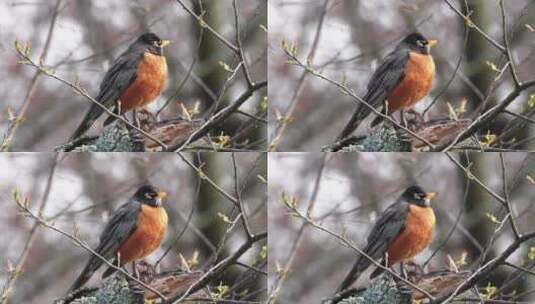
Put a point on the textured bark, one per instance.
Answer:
(382, 291)
(387, 138)
(117, 290)
(117, 137)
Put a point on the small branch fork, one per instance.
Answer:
(14, 274)
(352, 94)
(347, 243)
(8, 138)
(239, 51)
(251, 239)
(23, 53)
(28, 61)
(500, 107)
(22, 204)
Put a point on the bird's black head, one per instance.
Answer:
(417, 196)
(153, 43)
(150, 195)
(418, 43)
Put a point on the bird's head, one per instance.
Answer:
(418, 43)
(150, 195)
(153, 43)
(417, 196)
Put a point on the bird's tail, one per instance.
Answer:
(109, 271)
(109, 120)
(378, 119)
(87, 122)
(352, 125)
(89, 269)
(359, 267)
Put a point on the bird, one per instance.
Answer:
(402, 231)
(404, 77)
(134, 79)
(134, 231)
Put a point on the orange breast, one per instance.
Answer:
(150, 231)
(149, 83)
(416, 237)
(419, 75)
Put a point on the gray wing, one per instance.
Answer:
(119, 77)
(121, 225)
(385, 78)
(389, 225)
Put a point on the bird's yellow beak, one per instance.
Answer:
(431, 43)
(165, 43)
(162, 195)
(429, 196)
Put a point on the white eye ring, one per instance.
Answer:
(147, 195)
(420, 43)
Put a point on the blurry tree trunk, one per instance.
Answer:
(212, 74)
(479, 206)
(477, 51)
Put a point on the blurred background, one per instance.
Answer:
(351, 191)
(88, 35)
(85, 188)
(356, 35)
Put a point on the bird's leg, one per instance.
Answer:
(136, 118)
(403, 118)
(418, 268)
(119, 108)
(404, 271)
(136, 272)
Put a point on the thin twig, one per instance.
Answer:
(508, 206)
(219, 117)
(203, 23)
(241, 53)
(344, 241)
(237, 191)
(17, 271)
(512, 66)
(82, 92)
(203, 176)
(283, 123)
(77, 241)
(277, 285)
(10, 134)
(219, 268)
(474, 26)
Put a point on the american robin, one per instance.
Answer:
(134, 231)
(135, 79)
(404, 77)
(402, 231)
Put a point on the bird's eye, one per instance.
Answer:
(157, 43)
(148, 195)
(420, 43)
